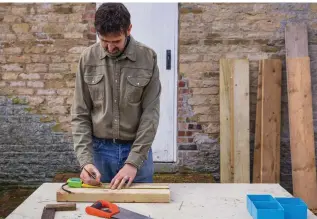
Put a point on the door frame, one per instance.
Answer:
(175, 75)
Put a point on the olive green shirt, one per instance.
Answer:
(116, 98)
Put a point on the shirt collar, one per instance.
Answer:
(129, 52)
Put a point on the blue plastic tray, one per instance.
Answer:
(268, 210)
(294, 208)
(257, 198)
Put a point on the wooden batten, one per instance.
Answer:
(300, 114)
(234, 121)
(139, 193)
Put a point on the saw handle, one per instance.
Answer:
(96, 209)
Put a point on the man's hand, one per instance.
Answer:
(127, 173)
(85, 175)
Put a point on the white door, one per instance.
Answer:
(156, 25)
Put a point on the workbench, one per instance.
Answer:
(188, 201)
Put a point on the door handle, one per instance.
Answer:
(168, 59)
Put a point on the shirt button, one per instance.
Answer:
(93, 81)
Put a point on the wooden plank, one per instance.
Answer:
(226, 161)
(257, 138)
(301, 114)
(123, 195)
(143, 186)
(241, 121)
(302, 130)
(296, 40)
(271, 120)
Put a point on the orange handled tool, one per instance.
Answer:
(105, 209)
(96, 209)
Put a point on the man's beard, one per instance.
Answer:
(118, 52)
(114, 54)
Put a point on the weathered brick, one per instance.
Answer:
(61, 110)
(46, 92)
(35, 100)
(73, 35)
(69, 100)
(55, 84)
(70, 84)
(37, 18)
(2, 59)
(76, 27)
(36, 68)
(60, 67)
(21, 28)
(44, 8)
(204, 99)
(12, 67)
(9, 76)
(7, 37)
(212, 128)
(209, 118)
(209, 90)
(12, 18)
(204, 83)
(65, 92)
(5, 28)
(75, 17)
(74, 67)
(55, 49)
(12, 50)
(55, 100)
(53, 28)
(24, 91)
(17, 83)
(19, 59)
(72, 58)
(19, 10)
(57, 58)
(35, 84)
(3, 84)
(29, 76)
(36, 28)
(53, 76)
(58, 18)
(35, 49)
(195, 67)
(41, 58)
(26, 37)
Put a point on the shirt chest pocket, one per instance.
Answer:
(96, 86)
(135, 88)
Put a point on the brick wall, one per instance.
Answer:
(209, 32)
(39, 50)
(40, 46)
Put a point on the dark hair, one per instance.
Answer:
(112, 18)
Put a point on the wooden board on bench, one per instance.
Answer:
(138, 192)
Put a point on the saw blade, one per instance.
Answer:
(127, 214)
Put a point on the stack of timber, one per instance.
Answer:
(234, 121)
(300, 114)
(136, 193)
(266, 162)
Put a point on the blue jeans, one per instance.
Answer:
(109, 158)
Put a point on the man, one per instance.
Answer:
(115, 112)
